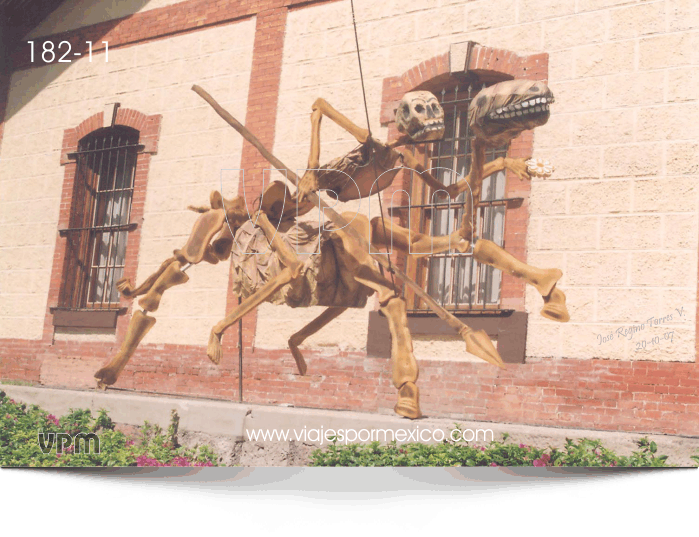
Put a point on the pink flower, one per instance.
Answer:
(613, 463)
(493, 464)
(130, 443)
(482, 448)
(523, 446)
(542, 461)
(147, 461)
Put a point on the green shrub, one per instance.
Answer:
(20, 425)
(584, 452)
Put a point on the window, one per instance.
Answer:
(99, 218)
(455, 280)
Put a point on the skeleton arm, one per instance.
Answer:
(515, 165)
(412, 163)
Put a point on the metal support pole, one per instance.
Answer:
(240, 357)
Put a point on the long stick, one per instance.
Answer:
(335, 218)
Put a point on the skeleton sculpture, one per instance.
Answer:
(265, 247)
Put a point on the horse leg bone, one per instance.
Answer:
(555, 306)
(488, 252)
(140, 323)
(311, 328)
(412, 242)
(171, 276)
(405, 368)
(127, 290)
(213, 350)
(477, 342)
(139, 326)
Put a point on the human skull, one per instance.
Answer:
(420, 116)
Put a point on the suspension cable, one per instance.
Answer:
(371, 145)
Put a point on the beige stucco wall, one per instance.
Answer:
(619, 215)
(153, 78)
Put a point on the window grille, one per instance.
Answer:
(454, 279)
(99, 218)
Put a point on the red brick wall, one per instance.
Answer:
(601, 394)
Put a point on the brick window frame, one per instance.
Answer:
(148, 127)
(487, 64)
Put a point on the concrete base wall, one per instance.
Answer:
(226, 426)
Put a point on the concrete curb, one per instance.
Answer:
(223, 422)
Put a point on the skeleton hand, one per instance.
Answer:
(308, 183)
(518, 166)
(124, 287)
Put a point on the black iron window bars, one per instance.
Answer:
(454, 279)
(99, 219)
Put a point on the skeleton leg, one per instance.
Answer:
(555, 306)
(129, 291)
(140, 323)
(291, 271)
(478, 342)
(213, 350)
(413, 242)
(362, 135)
(543, 279)
(311, 328)
(309, 181)
(169, 274)
(405, 368)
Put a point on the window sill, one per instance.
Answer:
(510, 331)
(86, 318)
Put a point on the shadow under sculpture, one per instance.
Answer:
(347, 269)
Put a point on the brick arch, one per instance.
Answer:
(148, 127)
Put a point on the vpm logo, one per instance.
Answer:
(82, 442)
